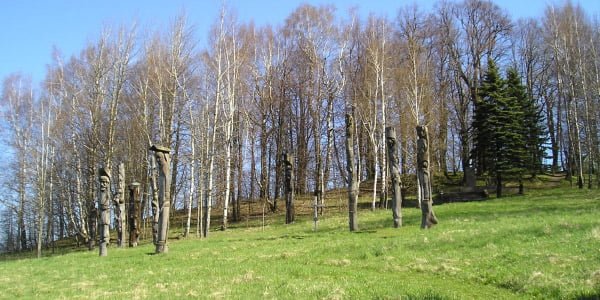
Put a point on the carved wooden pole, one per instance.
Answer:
(352, 175)
(104, 207)
(134, 213)
(119, 201)
(164, 196)
(394, 168)
(428, 218)
(154, 202)
(288, 163)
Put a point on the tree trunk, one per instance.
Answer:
(240, 174)
(134, 214)
(288, 162)
(394, 168)
(554, 148)
(200, 198)
(40, 220)
(228, 148)
(92, 225)
(209, 190)
(328, 150)
(189, 203)
(21, 230)
(352, 175)
(174, 165)
(498, 184)
(318, 174)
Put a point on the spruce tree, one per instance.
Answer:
(499, 142)
(515, 160)
(485, 121)
(532, 129)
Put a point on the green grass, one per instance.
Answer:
(544, 245)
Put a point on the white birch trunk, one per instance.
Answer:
(186, 233)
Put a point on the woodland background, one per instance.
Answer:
(229, 110)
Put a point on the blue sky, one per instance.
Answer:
(29, 29)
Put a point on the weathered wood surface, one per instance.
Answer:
(104, 208)
(394, 169)
(163, 159)
(119, 202)
(428, 218)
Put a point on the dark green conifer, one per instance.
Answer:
(532, 128)
(500, 150)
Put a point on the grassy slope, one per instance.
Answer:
(544, 245)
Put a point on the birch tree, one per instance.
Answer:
(17, 107)
(352, 179)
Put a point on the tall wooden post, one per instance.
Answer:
(352, 175)
(394, 168)
(163, 159)
(119, 201)
(104, 207)
(134, 213)
(154, 201)
(428, 218)
(288, 164)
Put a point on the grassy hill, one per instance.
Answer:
(543, 245)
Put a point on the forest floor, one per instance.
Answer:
(545, 245)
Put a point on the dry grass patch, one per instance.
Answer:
(338, 262)
(249, 276)
(595, 233)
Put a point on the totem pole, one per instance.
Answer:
(428, 218)
(164, 196)
(134, 213)
(119, 201)
(104, 207)
(154, 202)
(288, 163)
(394, 168)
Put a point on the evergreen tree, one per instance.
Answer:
(532, 129)
(485, 121)
(499, 142)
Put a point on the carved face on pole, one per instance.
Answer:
(391, 142)
(159, 158)
(422, 132)
(104, 182)
(162, 160)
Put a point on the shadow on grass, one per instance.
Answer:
(425, 296)
(588, 296)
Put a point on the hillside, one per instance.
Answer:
(543, 245)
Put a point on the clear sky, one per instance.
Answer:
(30, 29)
